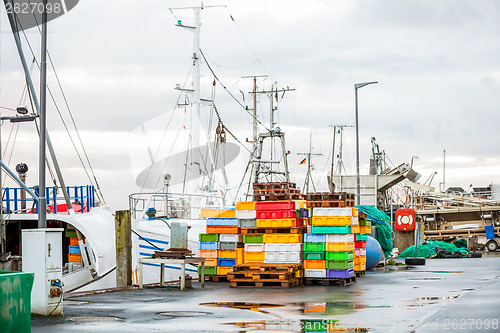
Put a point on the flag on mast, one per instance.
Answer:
(303, 161)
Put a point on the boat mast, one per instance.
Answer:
(42, 200)
(195, 113)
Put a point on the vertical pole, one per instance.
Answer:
(444, 170)
(332, 185)
(358, 198)
(123, 230)
(3, 231)
(42, 201)
(255, 128)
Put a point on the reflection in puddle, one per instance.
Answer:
(423, 279)
(453, 272)
(423, 301)
(305, 325)
(243, 305)
(94, 318)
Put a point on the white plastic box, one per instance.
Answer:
(283, 247)
(333, 211)
(254, 247)
(339, 238)
(282, 257)
(315, 273)
(246, 214)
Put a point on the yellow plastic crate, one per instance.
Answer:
(354, 212)
(339, 246)
(359, 260)
(299, 273)
(355, 229)
(276, 223)
(221, 270)
(331, 220)
(208, 254)
(231, 254)
(215, 212)
(282, 238)
(240, 256)
(254, 257)
(245, 205)
(360, 267)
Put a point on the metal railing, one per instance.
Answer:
(16, 201)
(173, 205)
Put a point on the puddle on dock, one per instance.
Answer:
(426, 278)
(306, 308)
(70, 301)
(296, 325)
(94, 319)
(179, 314)
(429, 300)
(243, 305)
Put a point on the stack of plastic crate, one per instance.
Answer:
(361, 236)
(74, 255)
(219, 246)
(329, 247)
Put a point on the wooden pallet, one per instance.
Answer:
(216, 278)
(330, 282)
(257, 231)
(328, 196)
(360, 273)
(266, 267)
(262, 283)
(336, 203)
(267, 186)
(277, 197)
(265, 275)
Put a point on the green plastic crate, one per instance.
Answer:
(365, 222)
(331, 229)
(314, 247)
(253, 239)
(209, 270)
(209, 237)
(314, 255)
(70, 233)
(361, 237)
(339, 256)
(335, 264)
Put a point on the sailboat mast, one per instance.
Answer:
(42, 201)
(195, 113)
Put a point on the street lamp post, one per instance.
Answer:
(356, 87)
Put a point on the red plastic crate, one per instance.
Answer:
(215, 229)
(274, 205)
(276, 214)
(360, 244)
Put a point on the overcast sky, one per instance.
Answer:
(437, 64)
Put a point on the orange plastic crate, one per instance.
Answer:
(208, 254)
(254, 257)
(314, 264)
(365, 229)
(245, 205)
(360, 267)
(231, 254)
(215, 229)
(210, 262)
(240, 256)
(355, 229)
(73, 241)
(74, 258)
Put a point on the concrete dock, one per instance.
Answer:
(444, 295)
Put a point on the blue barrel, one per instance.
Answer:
(490, 232)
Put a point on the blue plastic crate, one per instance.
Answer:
(74, 249)
(490, 232)
(314, 238)
(209, 245)
(227, 221)
(225, 262)
(305, 212)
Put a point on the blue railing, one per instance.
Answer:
(83, 196)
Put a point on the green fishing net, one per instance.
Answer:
(429, 249)
(381, 221)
